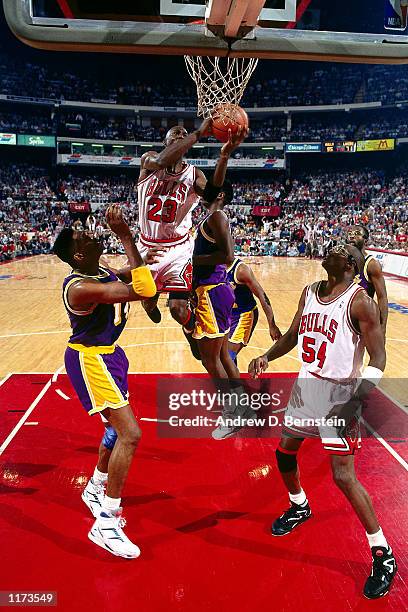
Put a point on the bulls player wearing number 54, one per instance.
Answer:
(335, 322)
(169, 189)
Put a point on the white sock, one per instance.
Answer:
(377, 539)
(110, 504)
(298, 498)
(99, 477)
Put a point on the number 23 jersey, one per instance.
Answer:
(328, 344)
(166, 201)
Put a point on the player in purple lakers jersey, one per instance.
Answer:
(97, 303)
(371, 277)
(244, 315)
(213, 251)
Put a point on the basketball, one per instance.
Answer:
(228, 117)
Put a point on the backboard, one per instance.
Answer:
(371, 31)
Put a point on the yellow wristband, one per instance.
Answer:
(142, 282)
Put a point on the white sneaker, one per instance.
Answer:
(92, 496)
(107, 532)
(232, 422)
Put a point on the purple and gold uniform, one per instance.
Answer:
(96, 367)
(215, 297)
(363, 279)
(244, 315)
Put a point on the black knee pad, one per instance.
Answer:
(286, 462)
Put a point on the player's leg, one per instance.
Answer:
(180, 308)
(150, 304)
(182, 311)
(100, 379)
(242, 328)
(299, 511)
(107, 531)
(128, 435)
(210, 352)
(94, 491)
(234, 349)
(151, 308)
(229, 365)
(384, 567)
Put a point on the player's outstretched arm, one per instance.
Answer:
(245, 276)
(210, 189)
(219, 226)
(282, 346)
(377, 278)
(125, 273)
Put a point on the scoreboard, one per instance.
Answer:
(339, 146)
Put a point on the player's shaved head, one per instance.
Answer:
(175, 133)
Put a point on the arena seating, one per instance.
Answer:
(315, 210)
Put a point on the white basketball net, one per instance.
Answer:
(219, 80)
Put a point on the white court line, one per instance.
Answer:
(42, 333)
(31, 423)
(24, 417)
(385, 444)
(62, 394)
(155, 328)
(56, 373)
(7, 376)
(69, 331)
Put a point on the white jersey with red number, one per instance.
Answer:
(328, 344)
(166, 201)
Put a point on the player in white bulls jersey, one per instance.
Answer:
(335, 321)
(168, 191)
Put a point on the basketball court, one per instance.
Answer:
(200, 510)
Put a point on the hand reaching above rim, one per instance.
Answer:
(234, 140)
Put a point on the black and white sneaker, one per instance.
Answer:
(290, 519)
(382, 574)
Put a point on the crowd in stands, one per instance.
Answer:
(30, 213)
(307, 84)
(305, 127)
(315, 210)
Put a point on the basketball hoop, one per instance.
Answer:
(219, 80)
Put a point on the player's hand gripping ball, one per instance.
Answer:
(228, 119)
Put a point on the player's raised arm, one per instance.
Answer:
(284, 345)
(89, 292)
(245, 276)
(377, 278)
(210, 189)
